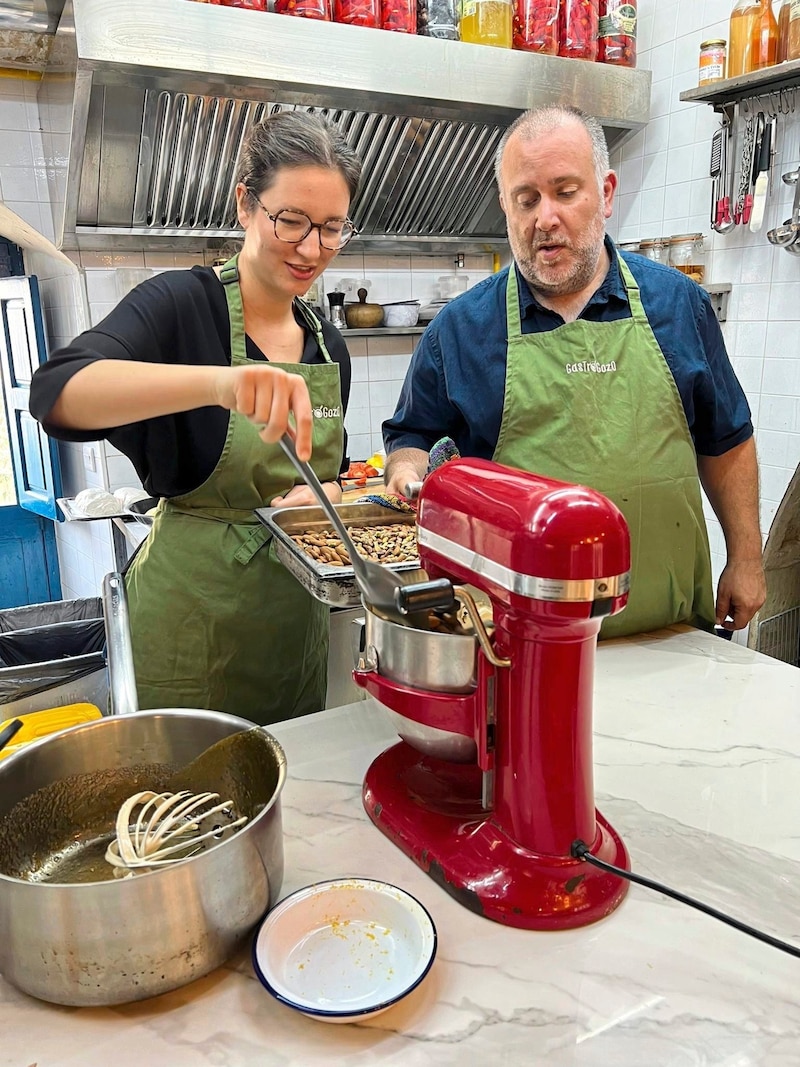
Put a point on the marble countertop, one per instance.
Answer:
(697, 753)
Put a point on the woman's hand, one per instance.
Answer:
(300, 496)
(266, 395)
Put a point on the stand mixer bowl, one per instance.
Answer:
(428, 660)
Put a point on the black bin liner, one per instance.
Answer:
(44, 646)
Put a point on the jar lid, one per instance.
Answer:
(679, 238)
(648, 242)
(716, 42)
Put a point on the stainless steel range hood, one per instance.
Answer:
(145, 107)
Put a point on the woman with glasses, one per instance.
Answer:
(194, 376)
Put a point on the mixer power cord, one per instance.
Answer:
(580, 850)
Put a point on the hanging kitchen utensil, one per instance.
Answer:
(761, 173)
(787, 235)
(715, 171)
(381, 588)
(721, 151)
(744, 199)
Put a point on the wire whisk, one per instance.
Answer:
(154, 829)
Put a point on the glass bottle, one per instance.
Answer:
(486, 22)
(742, 30)
(793, 49)
(399, 15)
(438, 18)
(616, 33)
(536, 26)
(783, 31)
(358, 13)
(577, 29)
(764, 44)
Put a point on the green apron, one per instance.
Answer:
(217, 622)
(595, 403)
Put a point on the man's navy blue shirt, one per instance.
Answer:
(456, 383)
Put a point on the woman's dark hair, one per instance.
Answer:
(294, 139)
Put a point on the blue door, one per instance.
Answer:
(29, 473)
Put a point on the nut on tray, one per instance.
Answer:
(307, 546)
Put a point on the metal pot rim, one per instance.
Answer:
(116, 885)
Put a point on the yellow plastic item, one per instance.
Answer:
(376, 461)
(36, 724)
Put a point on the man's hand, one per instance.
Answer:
(300, 496)
(403, 466)
(741, 591)
(266, 395)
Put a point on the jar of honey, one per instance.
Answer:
(577, 29)
(688, 255)
(536, 26)
(487, 22)
(712, 61)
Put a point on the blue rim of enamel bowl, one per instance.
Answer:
(351, 1014)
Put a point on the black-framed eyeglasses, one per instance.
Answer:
(294, 226)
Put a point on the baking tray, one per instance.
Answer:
(331, 585)
(72, 514)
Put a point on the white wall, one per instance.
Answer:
(664, 189)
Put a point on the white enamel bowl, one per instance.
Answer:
(343, 950)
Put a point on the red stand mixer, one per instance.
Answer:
(493, 784)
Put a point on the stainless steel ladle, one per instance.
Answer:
(382, 588)
(786, 236)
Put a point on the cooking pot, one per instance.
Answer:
(111, 942)
(363, 316)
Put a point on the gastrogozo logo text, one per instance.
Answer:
(327, 413)
(590, 367)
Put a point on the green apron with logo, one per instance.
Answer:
(217, 622)
(595, 403)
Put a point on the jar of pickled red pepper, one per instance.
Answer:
(399, 15)
(254, 5)
(438, 18)
(577, 29)
(307, 9)
(616, 33)
(536, 26)
(358, 12)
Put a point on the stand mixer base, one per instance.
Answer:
(432, 811)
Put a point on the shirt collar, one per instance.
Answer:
(612, 290)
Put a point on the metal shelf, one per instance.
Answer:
(722, 94)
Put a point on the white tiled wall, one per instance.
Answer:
(664, 189)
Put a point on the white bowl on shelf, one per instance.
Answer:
(344, 950)
(403, 313)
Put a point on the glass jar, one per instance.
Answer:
(655, 248)
(536, 26)
(577, 29)
(764, 45)
(254, 5)
(438, 18)
(688, 255)
(712, 61)
(486, 22)
(307, 9)
(628, 246)
(742, 28)
(793, 46)
(616, 33)
(357, 13)
(783, 31)
(399, 15)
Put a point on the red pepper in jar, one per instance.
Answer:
(616, 33)
(357, 12)
(536, 26)
(254, 5)
(307, 9)
(577, 29)
(399, 15)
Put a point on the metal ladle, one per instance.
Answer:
(381, 587)
(786, 236)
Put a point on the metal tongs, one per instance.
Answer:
(381, 588)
